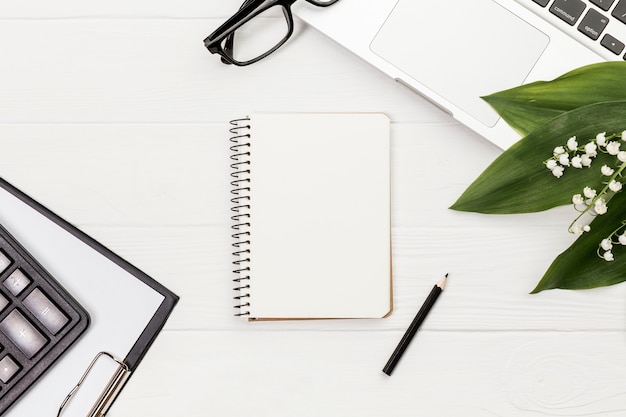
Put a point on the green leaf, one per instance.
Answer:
(529, 106)
(579, 267)
(518, 182)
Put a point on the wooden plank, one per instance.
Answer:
(484, 293)
(189, 9)
(339, 373)
(122, 174)
(178, 173)
(157, 70)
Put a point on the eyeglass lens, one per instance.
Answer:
(260, 35)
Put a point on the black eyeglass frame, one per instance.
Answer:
(221, 41)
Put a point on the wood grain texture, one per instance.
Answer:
(157, 70)
(339, 373)
(115, 116)
(118, 9)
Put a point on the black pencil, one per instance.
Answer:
(415, 324)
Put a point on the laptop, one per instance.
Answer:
(455, 51)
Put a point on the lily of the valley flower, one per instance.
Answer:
(591, 149)
(578, 200)
(589, 192)
(579, 229)
(613, 147)
(572, 144)
(606, 170)
(600, 206)
(607, 245)
(615, 186)
(592, 202)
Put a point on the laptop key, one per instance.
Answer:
(568, 11)
(603, 4)
(612, 44)
(620, 11)
(593, 24)
(542, 3)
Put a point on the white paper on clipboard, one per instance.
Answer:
(119, 304)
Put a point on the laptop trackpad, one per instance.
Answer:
(460, 49)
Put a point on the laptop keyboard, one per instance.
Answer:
(39, 320)
(601, 21)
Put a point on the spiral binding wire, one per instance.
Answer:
(240, 174)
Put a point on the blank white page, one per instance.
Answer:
(320, 216)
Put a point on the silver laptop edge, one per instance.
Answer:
(362, 26)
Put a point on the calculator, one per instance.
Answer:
(39, 320)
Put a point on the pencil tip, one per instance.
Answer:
(442, 284)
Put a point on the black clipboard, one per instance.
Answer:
(125, 365)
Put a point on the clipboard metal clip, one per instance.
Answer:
(112, 388)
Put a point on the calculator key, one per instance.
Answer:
(16, 282)
(47, 313)
(3, 302)
(4, 261)
(23, 334)
(8, 368)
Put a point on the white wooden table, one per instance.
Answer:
(115, 116)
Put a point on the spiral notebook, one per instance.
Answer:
(311, 215)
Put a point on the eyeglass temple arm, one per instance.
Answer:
(244, 10)
(230, 39)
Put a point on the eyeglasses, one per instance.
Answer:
(258, 31)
